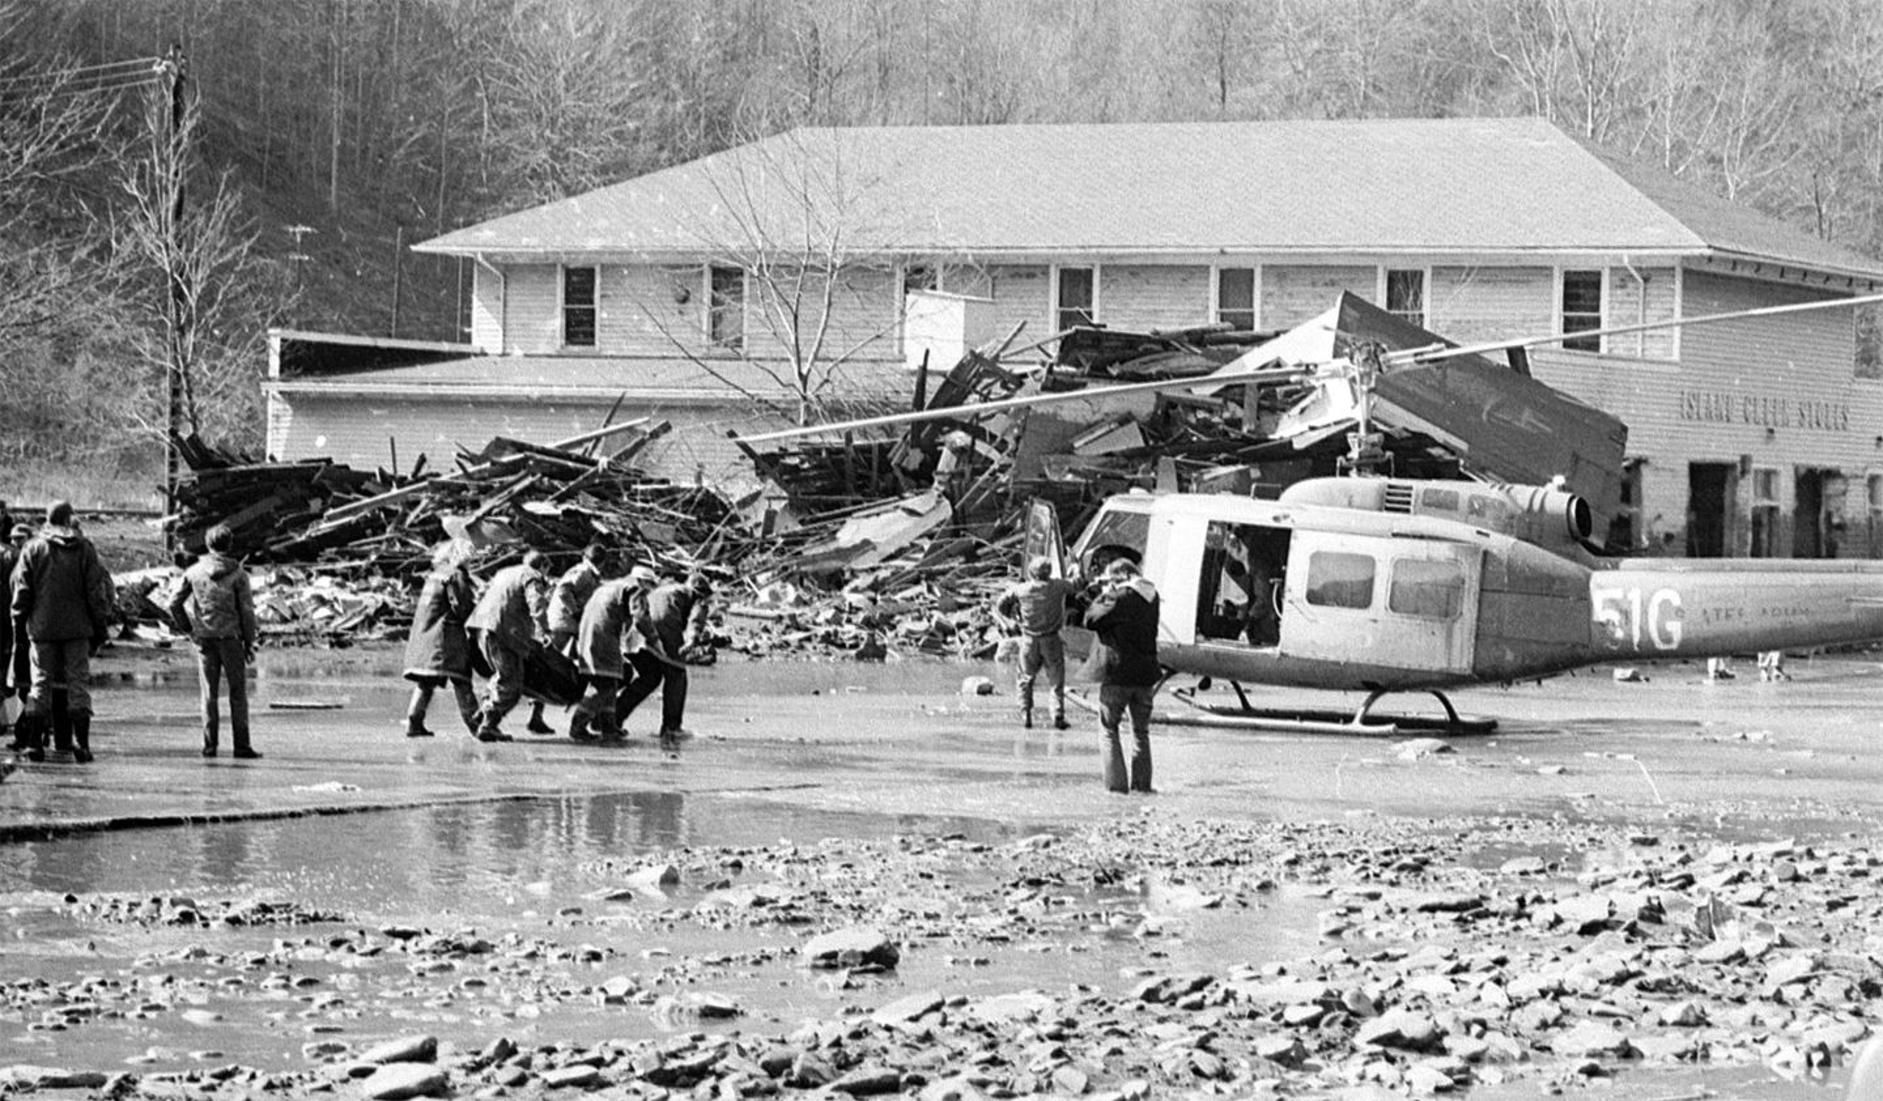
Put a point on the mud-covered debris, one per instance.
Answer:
(857, 946)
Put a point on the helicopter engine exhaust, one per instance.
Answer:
(1543, 515)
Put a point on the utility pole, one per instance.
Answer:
(175, 68)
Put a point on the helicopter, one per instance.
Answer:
(1364, 582)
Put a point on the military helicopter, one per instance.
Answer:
(1375, 584)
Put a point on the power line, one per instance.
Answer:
(89, 78)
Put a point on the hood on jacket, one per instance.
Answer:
(62, 534)
(220, 565)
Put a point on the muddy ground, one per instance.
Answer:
(857, 879)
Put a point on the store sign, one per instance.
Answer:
(1764, 411)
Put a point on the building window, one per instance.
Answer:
(920, 277)
(725, 308)
(1582, 309)
(578, 307)
(1765, 512)
(1405, 296)
(1869, 334)
(1078, 290)
(1235, 298)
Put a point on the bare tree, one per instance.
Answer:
(818, 295)
(202, 298)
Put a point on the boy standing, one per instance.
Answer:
(216, 607)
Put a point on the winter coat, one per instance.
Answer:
(437, 645)
(1125, 619)
(514, 607)
(1037, 604)
(62, 589)
(569, 599)
(678, 615)
(215, 600)
(606, 623)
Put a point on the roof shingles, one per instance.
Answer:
(1433, 186)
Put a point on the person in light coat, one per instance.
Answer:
(509, 617)
(614, 618)
(438, 647)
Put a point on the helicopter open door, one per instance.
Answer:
(1385, 603)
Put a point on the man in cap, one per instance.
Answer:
(677, 612)
(1037, 608)
(509, 616)
(62, 599)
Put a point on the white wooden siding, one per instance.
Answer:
(1295, 293)
(1631, 301)
(1020, 294)
(487, 290)
(532, 309)
(1472, 304)
(359, 431)
(1164, 296)
(865, 308)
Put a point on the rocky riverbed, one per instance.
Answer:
(1437, 965)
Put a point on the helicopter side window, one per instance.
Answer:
(1337, 579)
(1428, 589)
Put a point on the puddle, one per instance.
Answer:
(527, 872)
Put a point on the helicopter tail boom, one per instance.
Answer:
(1660, 608)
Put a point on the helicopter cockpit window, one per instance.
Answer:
(1115, 533)
(1340, 580)
(1428, 589)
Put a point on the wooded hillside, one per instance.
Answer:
(371, 124)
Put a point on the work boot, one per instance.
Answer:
(245, 753)
(415, 727)
(578, 729)
(1026, 718)
(82, 737)
(608, 728)
(61, 722)
(536, 725)
(1060, 723)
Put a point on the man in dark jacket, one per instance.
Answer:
(62, 605)
(215, 606)
(1124, 617)
(678, 614)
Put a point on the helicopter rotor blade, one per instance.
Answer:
(1434, 354)
(1262, 375)
(1270, 373)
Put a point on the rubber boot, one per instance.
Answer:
(31, 731)
(537, 724)
(61, 720)
(82, 737)
(1026, 718)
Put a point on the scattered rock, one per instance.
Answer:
(857, 946)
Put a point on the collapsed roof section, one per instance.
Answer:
(1500, 423)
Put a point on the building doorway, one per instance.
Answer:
(1710, 489)
(1817, 512)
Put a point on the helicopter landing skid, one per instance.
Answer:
(1324, 721)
